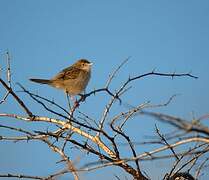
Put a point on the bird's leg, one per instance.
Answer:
(73, 99)
(68, 100)
(75, 103)
(83, 96)
(71, 109)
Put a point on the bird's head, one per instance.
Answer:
(83, 64)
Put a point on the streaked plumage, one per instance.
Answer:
(72, 80)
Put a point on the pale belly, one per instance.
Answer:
(73, 86)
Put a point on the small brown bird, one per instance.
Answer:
(73, 80)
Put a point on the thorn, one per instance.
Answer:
(153, 71)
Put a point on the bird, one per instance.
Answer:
(73, 79)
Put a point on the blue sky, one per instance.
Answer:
(44, 37)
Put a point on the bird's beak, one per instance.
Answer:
(90, 64)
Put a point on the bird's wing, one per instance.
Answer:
(67, 73)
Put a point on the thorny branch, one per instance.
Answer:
(8, 59)
(99, 139)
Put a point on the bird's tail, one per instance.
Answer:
(41, 81)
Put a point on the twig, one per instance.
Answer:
(52, 176)
(8, 59)
(191, 160)
(105, 113)
(42, 98)
(178, 122)
(152, 74)
(20, 176)
(20, 102)
(147, 154)
(119, 131)
(70, 165)
(200, 168)
(115, 72)
(133, 112)
(66, 125)
(165, 141)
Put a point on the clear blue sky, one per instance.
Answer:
(46, 36)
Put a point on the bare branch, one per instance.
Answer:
(20, 102)
(66, 125)
(164, 140)
(20, 176)
(8, 59)
(197, 174)
(179, 122)
(115, 72)
(80, 131)
(70, 164)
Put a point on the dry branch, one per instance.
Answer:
(100, 139)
